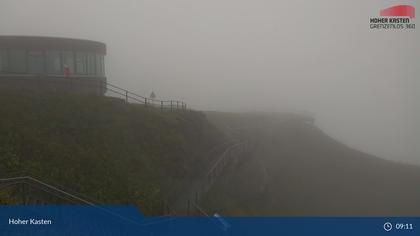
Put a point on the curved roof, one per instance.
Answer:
(51, 43)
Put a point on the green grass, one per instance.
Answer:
(102, 148)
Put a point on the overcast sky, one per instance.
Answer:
(261, 55)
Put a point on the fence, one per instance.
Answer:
(189, 203)
(31, 190)
(129, 96)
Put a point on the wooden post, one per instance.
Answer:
(145, 102)
(126, 96)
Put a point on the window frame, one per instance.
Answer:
(4, 63)
(100, 62)
(35, 54)
(13, 65)
(81, 59)
(91, 64)
(50, 66)
(72, 67)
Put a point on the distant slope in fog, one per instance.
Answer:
(297, 170)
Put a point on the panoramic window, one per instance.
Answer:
(18, 61)
(91, 64)
(68, 59)
(81, 63)
(100, 70)
(53, 62)
(35, 62)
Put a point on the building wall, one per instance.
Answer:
(51, 62)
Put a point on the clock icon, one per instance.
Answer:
(387, 226)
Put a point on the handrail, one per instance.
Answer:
(157, 100)
(223, 156)
(91, 204)
(144, 100)
(46, 185)
(174, 104)
(192, 198)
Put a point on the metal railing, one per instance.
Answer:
(36, 184)
(229, 157)
(22, 179)
(129, 96)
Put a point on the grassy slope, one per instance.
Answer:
(102, 148)
(298, 170)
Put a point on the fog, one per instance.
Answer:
(262, 55)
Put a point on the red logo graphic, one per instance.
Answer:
(400, 10)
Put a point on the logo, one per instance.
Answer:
(399, 17)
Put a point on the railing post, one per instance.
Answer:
(126, 96)
(171, 105)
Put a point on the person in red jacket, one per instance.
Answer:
(66, 71)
